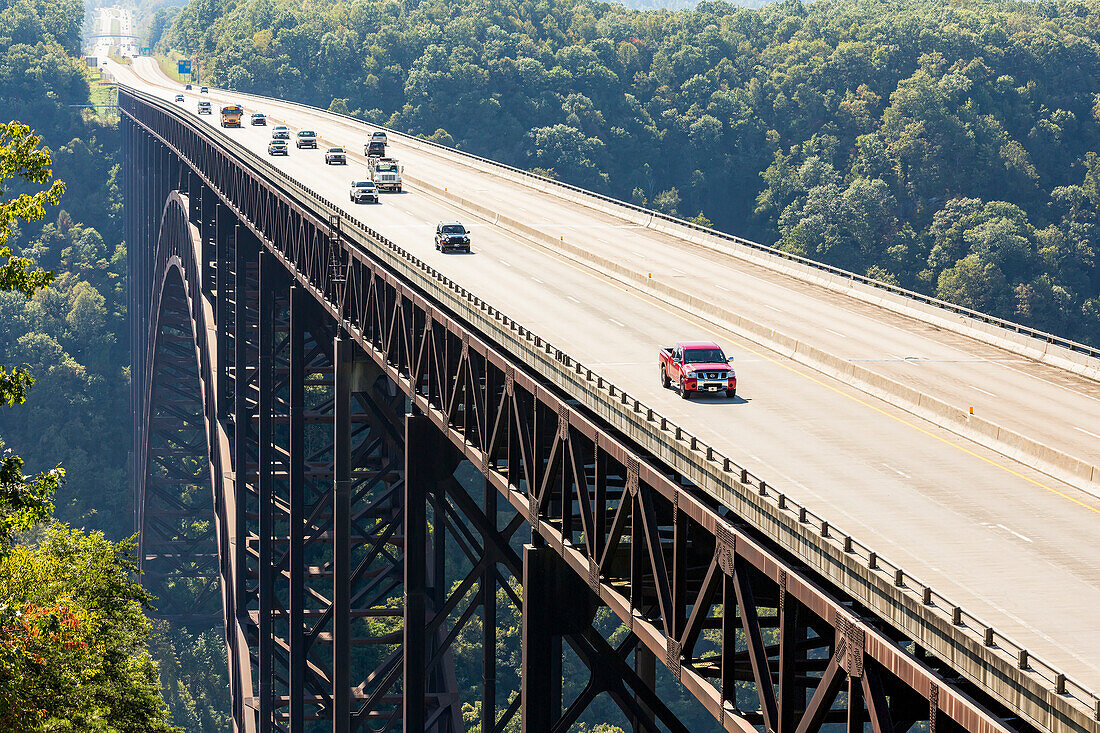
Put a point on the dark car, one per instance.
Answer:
(452, 236)
(204, 90)
(277, 147)
(258, 118)
(306, 139)
(364, 191)
(334, 156)
(375, 149)
(187, 88)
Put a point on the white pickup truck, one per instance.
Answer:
(386, 174)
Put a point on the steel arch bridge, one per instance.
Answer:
(348, 463)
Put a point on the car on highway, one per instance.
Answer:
(204, 90)
(364, 191)
(258, 118)
(277, 147)
(379, 136)
(179, 97)
(306, 139)
(336, 156)
(697, 367)
(451, 236)
(375, 149)
(205, 108)
(187, 88)
(280, 132)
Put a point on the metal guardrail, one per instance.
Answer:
(604, 398)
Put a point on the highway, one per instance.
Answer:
(106, 37)
(1009, 543)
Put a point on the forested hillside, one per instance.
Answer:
(73, 635)
(946, 146)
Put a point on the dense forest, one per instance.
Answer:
(948, 146)
(75, 648)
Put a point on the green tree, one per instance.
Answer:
(72, 654)
(72, 624)
(24, 500)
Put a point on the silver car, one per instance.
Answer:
(336, 156)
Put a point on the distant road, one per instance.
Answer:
(114, 31)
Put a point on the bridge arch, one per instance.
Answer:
(181, 498)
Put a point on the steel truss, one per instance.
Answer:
(335, 514)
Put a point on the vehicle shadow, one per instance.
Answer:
(708, 400)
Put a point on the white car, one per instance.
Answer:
(306, 139)
(364, 191)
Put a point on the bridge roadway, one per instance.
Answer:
(1008, 543)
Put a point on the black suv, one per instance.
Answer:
(452, 236)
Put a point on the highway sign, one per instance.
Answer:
(185, 66)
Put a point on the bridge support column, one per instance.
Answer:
(554, 604)
(266, 479)
(489, 622)
(645, 665)
(791, 699)
(296, 661)
(237, 627)
(430, 462)
(419, 443)
(341, 549)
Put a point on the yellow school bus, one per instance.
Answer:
(231, 115)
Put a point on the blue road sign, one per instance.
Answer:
(185, 66)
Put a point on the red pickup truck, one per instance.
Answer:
(697, 366)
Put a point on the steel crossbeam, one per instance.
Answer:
(338, 406)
